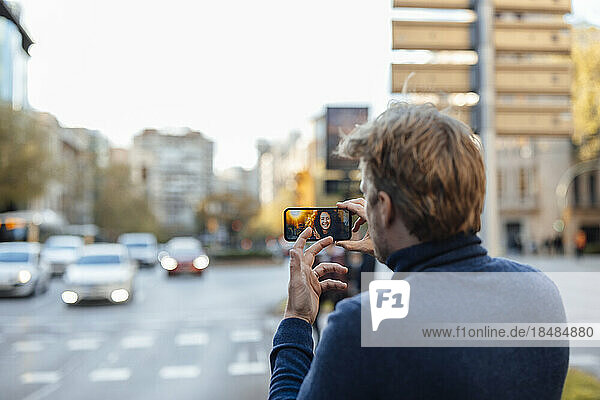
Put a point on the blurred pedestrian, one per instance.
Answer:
(580, 242)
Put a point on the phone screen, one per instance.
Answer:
(329, 221)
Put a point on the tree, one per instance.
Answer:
(586, 93)
(120, 207)
(269, 220)
(25, 163)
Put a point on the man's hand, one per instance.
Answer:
(356, 243)
(305, 288)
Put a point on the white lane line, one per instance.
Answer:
(243, 365)
(198, 338)
(28, 346)
(110, 374)
(83, 344)
(41, 377)
(179, 372)
(246, 336)
(137, 342)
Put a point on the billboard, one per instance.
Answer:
(342, 120)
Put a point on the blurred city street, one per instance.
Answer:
(180, 337)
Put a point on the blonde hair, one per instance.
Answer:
(428, 163)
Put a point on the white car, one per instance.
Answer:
(103, 271)
(60, 251)
(22, 271)
(142, 247)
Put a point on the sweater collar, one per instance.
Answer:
(432, 254)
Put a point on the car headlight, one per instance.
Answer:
(119, 295)
(69, 297)
(201, 262)
(24, 276)
(168, 263)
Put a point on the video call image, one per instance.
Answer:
(324, 222)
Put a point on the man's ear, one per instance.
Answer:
(386, 208)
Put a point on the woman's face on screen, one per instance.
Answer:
(325, 220)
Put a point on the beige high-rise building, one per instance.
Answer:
(176, 172)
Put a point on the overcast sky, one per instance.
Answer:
(235, 70)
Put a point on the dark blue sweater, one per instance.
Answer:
(342, 369)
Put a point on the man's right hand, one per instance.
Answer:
(356, 243)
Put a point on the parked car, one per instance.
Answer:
(22, 271)
(142, 247)
(60, 251)
(103, 271)
(184, 254)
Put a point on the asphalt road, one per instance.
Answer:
(184, 337)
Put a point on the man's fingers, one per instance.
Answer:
(331, 284)
(354, 207)
(358, 223)
(320, 245)
(350, 245)
(295, 260)
(301, 241)
(358, 200)
(329, 268)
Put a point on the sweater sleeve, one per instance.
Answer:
(335, 371)
(291, 357)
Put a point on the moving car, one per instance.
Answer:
(60, 251)
(103, 271)
(142, 247)
(22, 271)
(184, 254)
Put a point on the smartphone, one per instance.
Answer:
(324, 221)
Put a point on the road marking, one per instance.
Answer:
(179, 372)
(243, 365)
(246, 336)
(28, 346)
(137, 342)
(198, 338)
(110, 374)
(41, 377)
(83, 344)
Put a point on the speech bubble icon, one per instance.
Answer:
(389, 300)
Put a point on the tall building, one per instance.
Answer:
(238, 181)
(14, 47)
(176, 172)
(528, 172)
(278, 164)
(75, 154)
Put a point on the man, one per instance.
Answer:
(423, 180)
